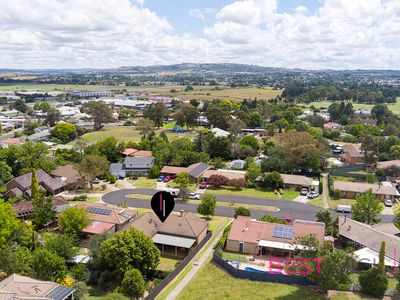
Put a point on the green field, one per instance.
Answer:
(126, 134)
(395, 108)
(211, 280)
(253, 192)
(167, 263)
(143, 182)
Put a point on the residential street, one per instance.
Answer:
(294, 209)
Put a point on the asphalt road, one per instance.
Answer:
(286, 208)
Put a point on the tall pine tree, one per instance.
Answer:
(382, 254)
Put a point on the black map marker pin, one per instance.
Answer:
(162, 204)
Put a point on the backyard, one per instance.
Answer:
(211, 280)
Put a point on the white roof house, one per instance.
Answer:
(220, 132)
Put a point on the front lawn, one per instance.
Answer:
(192, 187)
(211, 280)
(253, 192)
(317, 202)
(143, 182)
(213, 222)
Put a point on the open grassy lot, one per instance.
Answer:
(233, 94)
(167, 263)
(211, 280)
(126, 134)
(395, 107)
(252, 192)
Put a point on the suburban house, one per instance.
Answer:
(195, 170)
(230, 174)
(24, 208)
(105, 218)
(383, 191)
(21, 287)
(136, 165)
(134, 152)
(11, 141)
(388, 164)
(237, 164)
(332, 125)
(367, 241)
(220, 132)
(176, 236)
(353, 157)
(262, 238)
(72, 178)
(22, 184)
(297, 182)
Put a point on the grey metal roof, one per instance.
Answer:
(139, 162)
(60, 292)
(198, 169)
(173, 240)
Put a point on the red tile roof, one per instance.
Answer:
(129, 151)
(142, 153)
(245, 229)
(97, 227)
(12, 141)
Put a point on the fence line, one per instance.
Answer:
(261, 276)
(154, 292)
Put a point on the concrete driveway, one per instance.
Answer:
(388, 211)
(301, 199)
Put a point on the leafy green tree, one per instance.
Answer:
(154, 172)
(9, 222)
(64, 131)
(236, 126)
(72, 220)
(32, 155)
(15, 260)
(133, 284)
(62, 245)
(367, 208)
(81, 290)
(325, 216)
(47, 265)
(53, 116)
(251, 141)
(92, 166)
(21, 106)
(369, 147)
(109, 148)
(218, 163)
(207, 205)
(80, 272)
(130, 249)
(186, 115)
(145, 127)
(5, 173)
(272, 180)
(219, 147)
(382, 254)
(373, 282)
(156, 112)
(254, 120)
(182, 180)
(380, 112)
(253, 171)
(43, 211)
(333, 268)
(242, 211)
(99, 111)
(218, 117)
(272, 219)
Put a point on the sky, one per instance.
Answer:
(309, 34)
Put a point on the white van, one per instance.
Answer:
(343, 208)
(172, 191)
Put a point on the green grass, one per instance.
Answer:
(252, 192)
(211, 280)
(234, 257)
(192, 187)
(214, 222)
(126, 134)
(334, 203)
(143, 182)
(167, 263)
(169, 125)
(317, 202)
(395, 107)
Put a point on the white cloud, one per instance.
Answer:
(110, 33)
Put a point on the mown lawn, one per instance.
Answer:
(317, 202)
(126, 134)
(167, 263)
(253, 192)
(143, 182)
(211, 282)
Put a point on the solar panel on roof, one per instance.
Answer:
(100, 211)
(283, 232)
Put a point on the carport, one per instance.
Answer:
(173, 245)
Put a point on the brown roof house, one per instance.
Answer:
(177, 235)
(388, 164)
(367, 241)
(230, 174)
(195, 170)
(71, 176)
(16, 287)
(383, 191)
(262, 238)
(25, 208)
(22, 184)
(104, 218)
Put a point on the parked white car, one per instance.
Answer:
(194, 196)
(312, 195)
(304, 191)
(388, 203)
